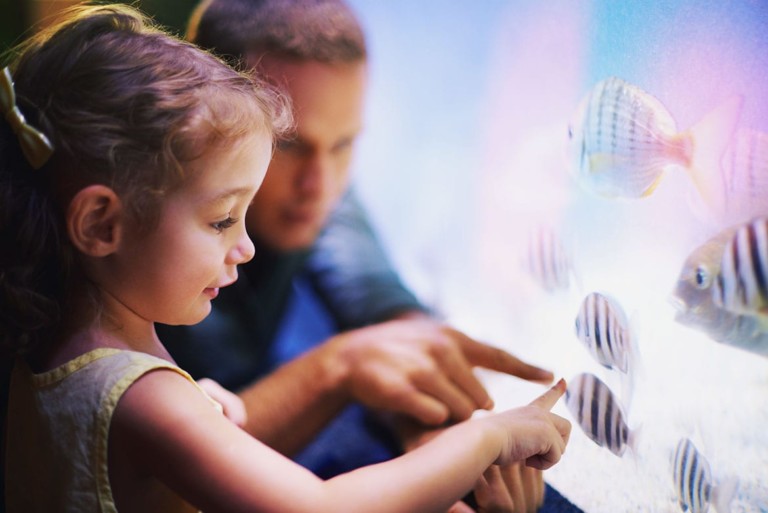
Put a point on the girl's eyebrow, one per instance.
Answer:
(228, 193)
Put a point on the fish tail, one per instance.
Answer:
(723, 494)
(633, 438)
(628, 388)
(634, 369)
(635, 366)
(709, 140)
(634, 358)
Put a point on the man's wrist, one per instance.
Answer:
(333, 373)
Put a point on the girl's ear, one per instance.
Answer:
(95, 220)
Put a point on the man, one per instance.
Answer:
(319, 324)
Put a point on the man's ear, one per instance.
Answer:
(95, 220)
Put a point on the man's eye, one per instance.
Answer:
(287, 145)
(343, 146)
(223, 225)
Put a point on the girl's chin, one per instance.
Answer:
(194, 317)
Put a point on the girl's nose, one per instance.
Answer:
(243, 251)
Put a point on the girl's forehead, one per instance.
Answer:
(231, 165)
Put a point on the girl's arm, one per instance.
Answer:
(163, 427)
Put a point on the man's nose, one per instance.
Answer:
(316, 176)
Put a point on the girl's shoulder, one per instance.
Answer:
(118, 364)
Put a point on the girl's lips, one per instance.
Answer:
(214, 291)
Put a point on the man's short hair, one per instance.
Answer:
(310, 30)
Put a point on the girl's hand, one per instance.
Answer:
(532, 433)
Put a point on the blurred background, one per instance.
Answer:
(463, 157)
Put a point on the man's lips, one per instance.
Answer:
(301, 216)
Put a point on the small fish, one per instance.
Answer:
(599, 413)
(547, 260)
(696, 308)
(602, 327)
(741, 286)
(745, 176)
(623, 139)
(693, 481)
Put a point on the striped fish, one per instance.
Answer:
(745, 176)
(693, 299)
(693, 481)
(547, 260)
(622, 140)
(599, 413)
(741, 286)
(602, 327)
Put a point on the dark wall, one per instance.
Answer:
(17, 16)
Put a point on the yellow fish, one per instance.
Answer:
(622, 140)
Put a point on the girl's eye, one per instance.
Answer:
(223, 225)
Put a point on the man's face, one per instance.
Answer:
(309, 173)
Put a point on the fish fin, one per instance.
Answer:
(723, 494)
(647, 192)
(710, 139)
(761, 319)
(633, 438)
(604, 173)
(600, 163)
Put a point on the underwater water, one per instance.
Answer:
(464, 155)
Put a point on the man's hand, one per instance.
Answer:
(421, 368)
(233, 406)
(414, 366)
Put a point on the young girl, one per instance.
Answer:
(127, 162)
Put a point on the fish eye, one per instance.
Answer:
(702, 278)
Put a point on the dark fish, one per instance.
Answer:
(602, 327)
(741, 285)
(693, 481)
(696, 308)
(599, 413)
